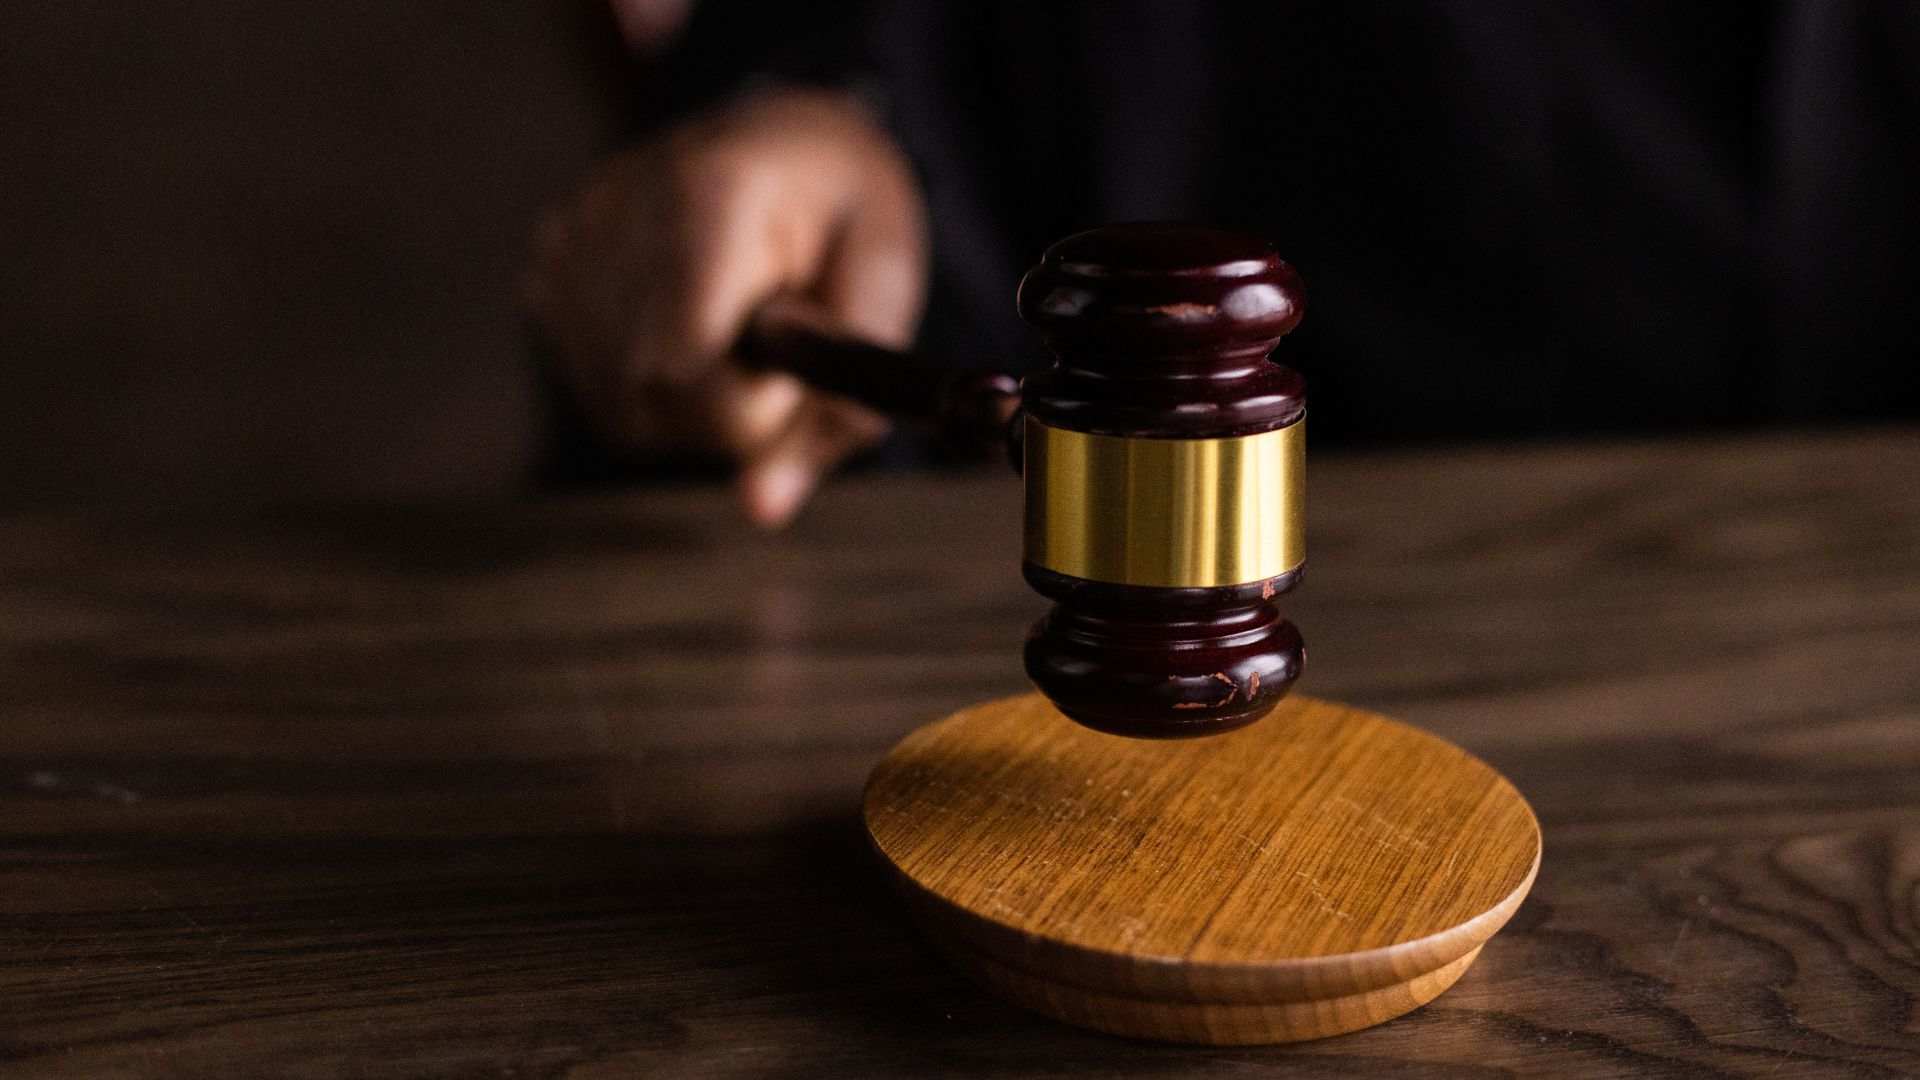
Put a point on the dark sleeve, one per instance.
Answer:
(731, 45)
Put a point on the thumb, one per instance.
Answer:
(873, 280)
(775, 480)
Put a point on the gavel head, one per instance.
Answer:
(1164, 457)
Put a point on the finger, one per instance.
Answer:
(744, 240)
(874, 278)
(752, 411)
(732, 413)
(825, 431)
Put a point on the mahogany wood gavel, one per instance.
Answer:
(1163, 456)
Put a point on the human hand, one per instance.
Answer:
(645, 280)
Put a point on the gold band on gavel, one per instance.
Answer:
(1172, 513)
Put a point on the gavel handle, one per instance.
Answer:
(971, 409)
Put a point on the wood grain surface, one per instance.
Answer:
(572, 789)
(1327, 859)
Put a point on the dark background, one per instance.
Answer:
(268, 251)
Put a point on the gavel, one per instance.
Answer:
(1164, 462)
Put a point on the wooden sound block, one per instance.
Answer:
(1316, 873)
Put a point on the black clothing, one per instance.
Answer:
(1513, 217)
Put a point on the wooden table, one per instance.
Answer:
(569, 788)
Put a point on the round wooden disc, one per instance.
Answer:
(1321, 871)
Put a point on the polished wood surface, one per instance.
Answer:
(1324, 870)
(1160, 330)
(573, 789)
